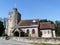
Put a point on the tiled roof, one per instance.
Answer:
(46, 25)
(43, 25)
(28, 22)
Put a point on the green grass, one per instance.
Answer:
(43, 44)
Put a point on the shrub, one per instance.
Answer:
(25, 34)
(8, 37)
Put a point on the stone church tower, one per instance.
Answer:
(13, 18)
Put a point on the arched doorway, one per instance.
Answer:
(16, 33)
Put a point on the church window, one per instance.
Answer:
(33, 31)
(28, 31)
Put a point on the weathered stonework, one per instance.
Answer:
(30, 31)
(13, 18)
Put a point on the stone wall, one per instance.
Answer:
(30, 31)
(37, 40)
(46, 33)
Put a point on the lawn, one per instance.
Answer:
(43, 44)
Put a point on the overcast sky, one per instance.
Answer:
(29, 9)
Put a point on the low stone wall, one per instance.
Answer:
(37, 40)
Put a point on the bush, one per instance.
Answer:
(8, 37)
(25, 34)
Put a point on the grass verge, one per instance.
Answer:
(43, 44)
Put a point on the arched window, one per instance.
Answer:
(28, 31)
(33, 31)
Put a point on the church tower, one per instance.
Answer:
(13, 18)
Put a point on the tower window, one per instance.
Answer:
(10, 16)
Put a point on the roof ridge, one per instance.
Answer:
(31, 19)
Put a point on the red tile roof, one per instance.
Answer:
(27, 22)
(43, 25)
(46, 25)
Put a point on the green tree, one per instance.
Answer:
(1, 28)
(57, 28)
(45, 20)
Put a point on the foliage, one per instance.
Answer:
(25, 34)
(45, 20)
(1, 28)
(57, 28)
(57, 31)
(8, 37)
(43, 44)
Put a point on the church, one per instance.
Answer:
(17, 27)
